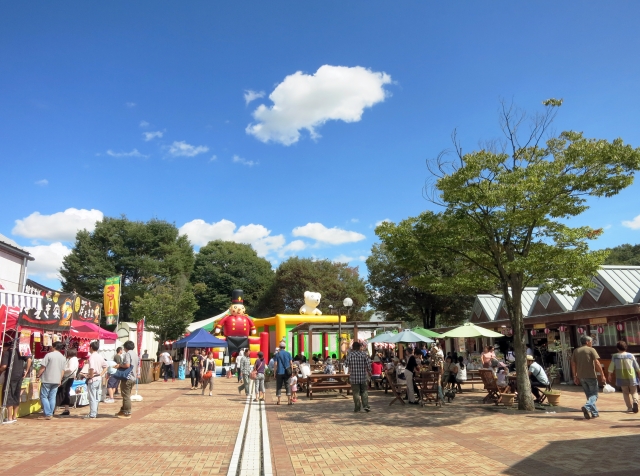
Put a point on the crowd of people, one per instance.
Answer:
(58, 371)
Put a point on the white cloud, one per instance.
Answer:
(304, 101)
(48, 259)
(144, 124)
(354, 220)
(213, 158)
(386, 220)
(250, 95)
(133, 153)
(182, 149)
(152, 135)
(332, 236)
(61, 226)
(42, 182)
(348, 259)
(633, 224)
(130, 104)
(258, 236)
(293, 247)
(239, 160)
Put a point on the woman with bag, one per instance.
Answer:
(258, 375)
(208, 372)
(70, 371)
(624, 372)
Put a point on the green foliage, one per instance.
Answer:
(168, 309)
(506, 209)
(335, 281)
(140, 252)
(393, 286)
(627, 255)
(222, 266)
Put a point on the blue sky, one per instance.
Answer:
(337, 147)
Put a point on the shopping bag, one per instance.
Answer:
(608, 389)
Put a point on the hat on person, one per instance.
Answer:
(530, 357)
(376, 359)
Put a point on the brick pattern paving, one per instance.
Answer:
(175, 431)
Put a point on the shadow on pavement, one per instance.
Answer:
(619, 455)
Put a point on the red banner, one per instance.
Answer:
(140, 332)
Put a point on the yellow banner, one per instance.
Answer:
(112, 299)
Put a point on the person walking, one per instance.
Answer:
(113, 383)
(359, 365)
(259, 367)
(63, 397)
(244, 364)
(19, 370)
(167, 366)
(208, 373)
(624, 372)
(587, 372)
(97, 368)
(50, 375)
(196, 366)
(283, 370)
(129, 360)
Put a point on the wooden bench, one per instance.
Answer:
(325, 382)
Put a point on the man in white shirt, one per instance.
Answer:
(537, 376)
(97, 368)
(167, 366)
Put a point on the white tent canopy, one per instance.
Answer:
(194, 326)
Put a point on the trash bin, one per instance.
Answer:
(146, 372)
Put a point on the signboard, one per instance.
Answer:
(56, 309)
(539, 326)
(599, 320)
(112, 299)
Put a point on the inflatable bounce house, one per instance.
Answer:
(241, 331)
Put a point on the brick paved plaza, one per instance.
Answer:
(175, 431)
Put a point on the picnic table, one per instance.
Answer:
(325, 382)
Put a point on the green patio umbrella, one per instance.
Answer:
(426, 332)
(471, 330)
(381, 338)
(408, 337)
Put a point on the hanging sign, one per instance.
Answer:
(25, 343)
(539, 326)
(599, 320)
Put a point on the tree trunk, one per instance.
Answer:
(514, 308)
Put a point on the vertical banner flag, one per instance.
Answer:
(139, 335)
(112, 300)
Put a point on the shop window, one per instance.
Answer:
(610, 335)
(631, 332)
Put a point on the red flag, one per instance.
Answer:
(140, 332)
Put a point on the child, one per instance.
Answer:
(503, 373)
(293, 384)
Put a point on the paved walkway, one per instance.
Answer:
(175, 431)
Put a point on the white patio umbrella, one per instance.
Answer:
(382, 338)
(408, 337)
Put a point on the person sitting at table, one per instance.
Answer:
(376, 371)
(503, 380)
(399, 371)
(461, 374)
(449, 375)
(315, 358)
(329, 366)
(537, 377)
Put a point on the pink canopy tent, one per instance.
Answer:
(108, 337)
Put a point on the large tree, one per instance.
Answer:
(335, 281)
(507, 209)
(142, 252)
(393, 289)
(628, 255)
(224, 266)
(168, 308)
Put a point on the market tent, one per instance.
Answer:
(207, 324)
(200, 338)
(427, 332)
(408, 337)
(471, 330)
(82, 331)
(103, 334)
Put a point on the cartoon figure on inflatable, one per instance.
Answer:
(238, 328)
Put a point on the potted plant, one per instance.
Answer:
(553, 397)
(507, 398)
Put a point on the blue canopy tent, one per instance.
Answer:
(200, 338)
